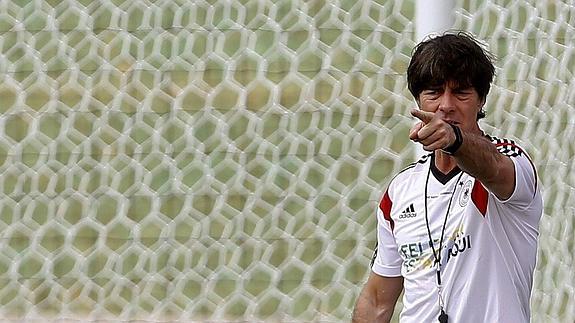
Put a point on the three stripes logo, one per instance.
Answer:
(408, 213)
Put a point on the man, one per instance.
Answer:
(457, 230)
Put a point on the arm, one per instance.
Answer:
(377, 299)
(479, 157)
(476, 156)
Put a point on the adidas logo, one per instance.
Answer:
(408, 213)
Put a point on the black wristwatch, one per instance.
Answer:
(451, 149)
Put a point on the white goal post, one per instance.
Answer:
(221, 160)
(433, 17)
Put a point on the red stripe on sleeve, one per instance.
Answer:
(385, 207)
(479, 196)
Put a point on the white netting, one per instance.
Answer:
(221, 160)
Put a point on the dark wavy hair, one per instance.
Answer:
(452, 57)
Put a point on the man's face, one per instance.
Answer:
(454, 104)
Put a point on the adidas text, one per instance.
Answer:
(408, 213)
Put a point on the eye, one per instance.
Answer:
(431, 93)
(463, 94)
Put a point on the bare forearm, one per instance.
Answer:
(367, 311)
(377, 299)
(479, 157)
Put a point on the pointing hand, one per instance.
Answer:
(432, 131)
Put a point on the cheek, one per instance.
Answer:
(470, 113)
(475, 109)
(428, 105)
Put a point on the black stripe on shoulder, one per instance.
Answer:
(506, 147)
(422, 160)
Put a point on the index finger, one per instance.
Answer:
(422, 115)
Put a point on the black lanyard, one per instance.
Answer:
(437, 255)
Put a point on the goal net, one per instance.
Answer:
(221, 160)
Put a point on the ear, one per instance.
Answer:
(481, 104)
(480, 111)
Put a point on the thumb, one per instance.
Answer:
(422, 115)
(414, 130)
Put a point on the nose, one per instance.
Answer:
(446, 102)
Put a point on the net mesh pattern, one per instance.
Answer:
(222, 160)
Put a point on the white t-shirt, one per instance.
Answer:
(489, 246)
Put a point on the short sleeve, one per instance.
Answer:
(387, 261)
(525, 182)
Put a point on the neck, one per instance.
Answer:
(444, 162)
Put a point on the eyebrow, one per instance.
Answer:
(432, 87)
(463, 89)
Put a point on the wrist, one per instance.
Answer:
(451, 149)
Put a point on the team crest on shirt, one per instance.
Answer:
(465, 193)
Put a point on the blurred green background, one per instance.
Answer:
(222, 160)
